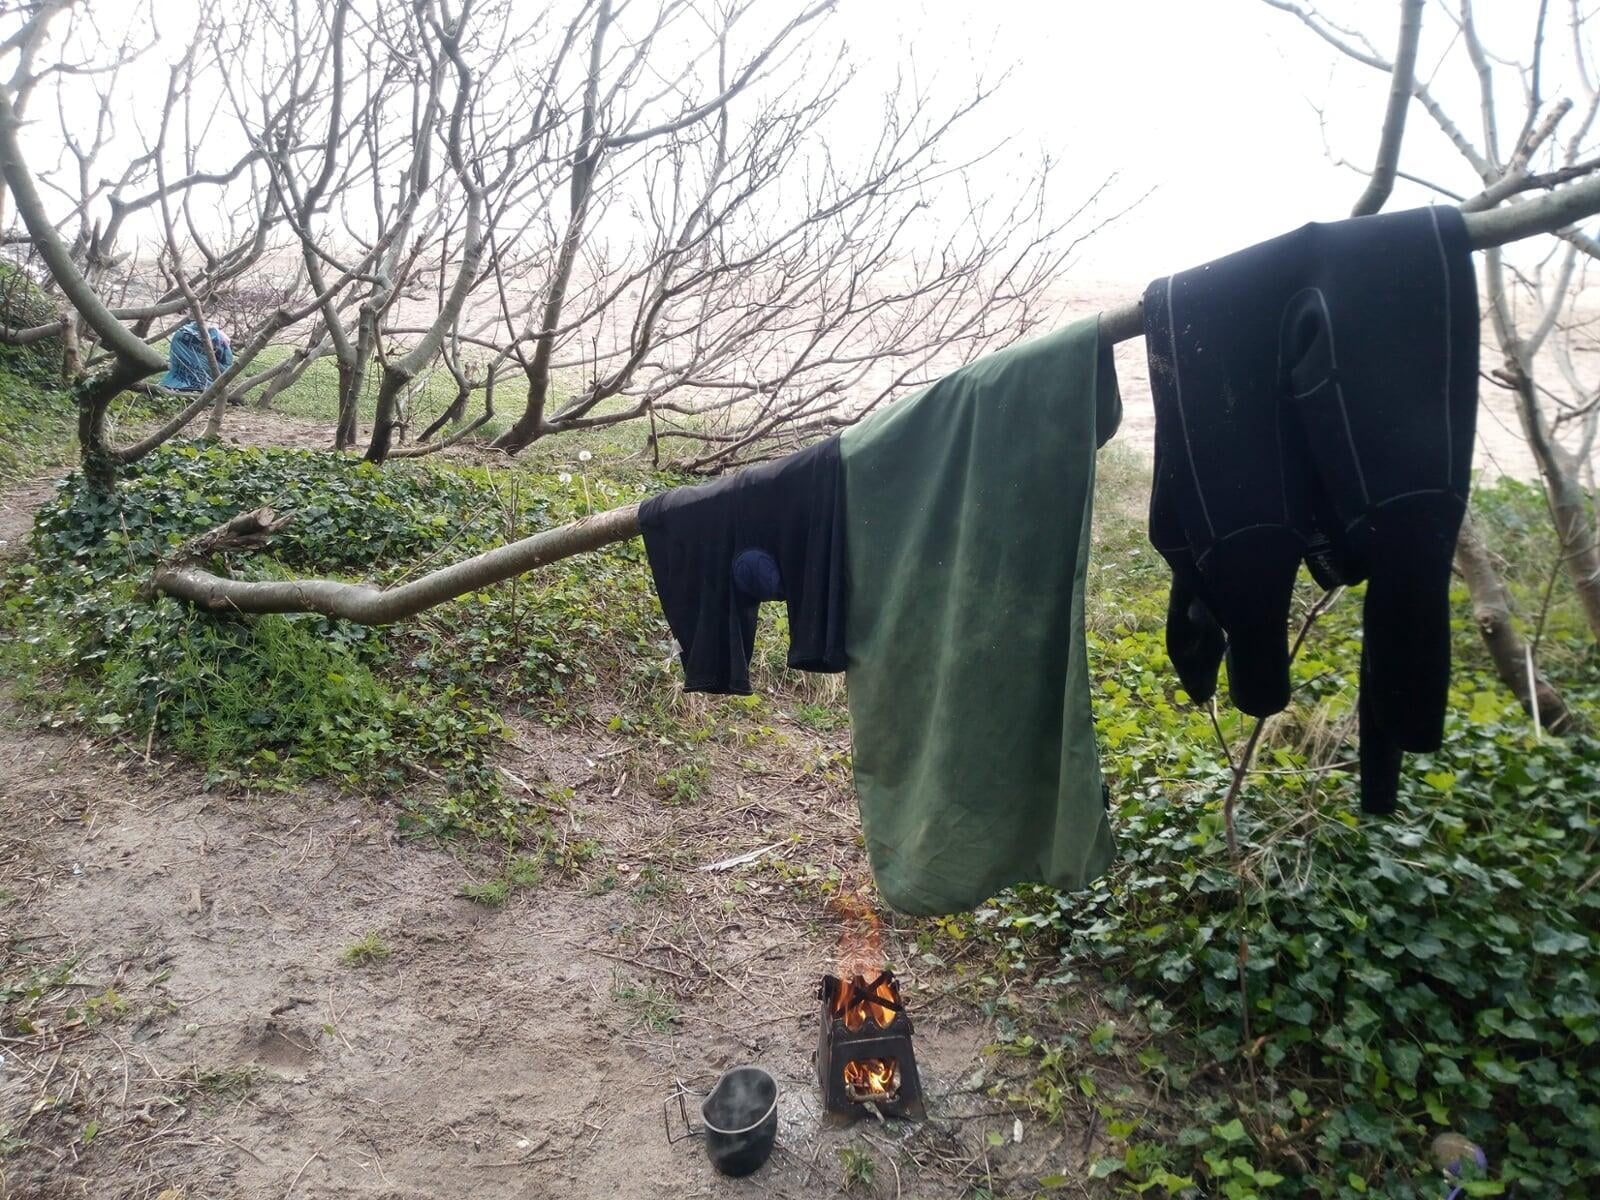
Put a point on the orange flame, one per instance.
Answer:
(856, 1000)
(872, 1078)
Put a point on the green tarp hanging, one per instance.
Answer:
(968, 541)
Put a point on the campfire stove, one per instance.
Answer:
(864, 1057)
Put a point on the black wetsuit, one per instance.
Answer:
(1315, 400)
(770, 532)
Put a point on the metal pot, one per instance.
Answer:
(739, 1120)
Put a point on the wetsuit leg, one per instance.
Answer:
(1195, 642)
(1380, 757)
(1382, 345)
(1224, 494)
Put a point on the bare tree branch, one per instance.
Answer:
(368, 605)
(1403, 74)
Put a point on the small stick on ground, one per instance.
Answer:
(315, 1154)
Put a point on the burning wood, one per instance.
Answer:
(857, 1001)
(872, 1079)
(864, 1057)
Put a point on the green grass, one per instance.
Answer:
(857, 1169)
(37, 428)
(524, 871)
(648, 1006)
(315, 396)
(520, 871)
(491, 893)
(368, 950)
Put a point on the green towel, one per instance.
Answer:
(968, 511)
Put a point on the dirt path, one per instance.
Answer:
(195, 1031)
(17, 505)
(181, 1021)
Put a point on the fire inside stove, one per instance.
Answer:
(864, 1057)
(855, 1002)
(872, 1079)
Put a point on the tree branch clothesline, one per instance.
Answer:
(364, 604)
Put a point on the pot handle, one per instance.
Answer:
(679, 1093)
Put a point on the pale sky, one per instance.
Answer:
(1211, 106)
(1212, 102)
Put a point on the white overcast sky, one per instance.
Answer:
(1211, 102)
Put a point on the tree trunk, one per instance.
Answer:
(524, 433)
(384, 421)
(1491, 609)
(303, 358)
(352, 377)
(219, 406)
(1570, 510)
(99, 465)
(1564, 492)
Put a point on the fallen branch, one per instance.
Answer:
(367, 605)
(246, 531)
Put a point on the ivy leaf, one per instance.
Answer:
(1486, 708)
(1233, 1131)
(1499, 1071)
(1405, 1060)
(1555, 941)
(1425, 945)
(1104, 1168)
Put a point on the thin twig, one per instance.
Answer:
(315, 1154)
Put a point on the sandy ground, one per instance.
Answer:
(206, 1023)
(180, 1022)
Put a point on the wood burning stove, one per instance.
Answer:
(864, 1056)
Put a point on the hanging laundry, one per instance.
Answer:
(188, 367)
(717, 550)
(968, 511)
(1315, 400)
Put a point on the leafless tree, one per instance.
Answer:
(661, 210)
(1544, 140)
(208, 228)
(184, 577)
(637, 210)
